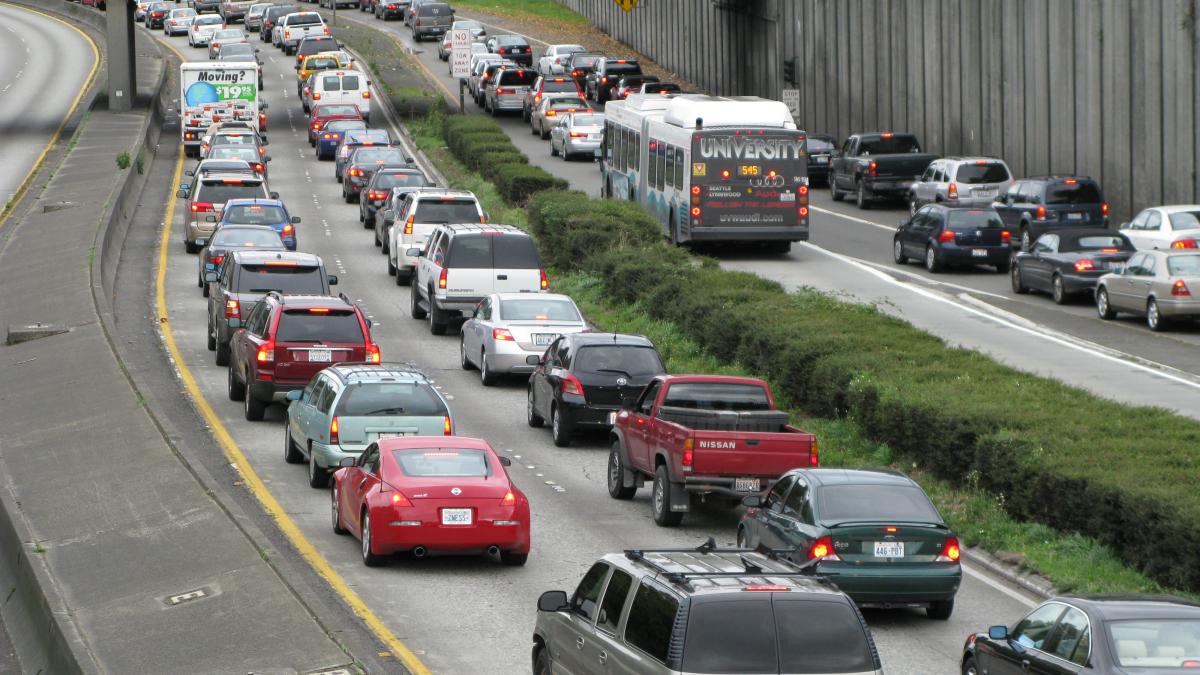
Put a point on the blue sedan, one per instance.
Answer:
(331, 136)
(269, 212)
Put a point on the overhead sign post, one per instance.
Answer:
(791, 98)
(626, 5)
(460, 61)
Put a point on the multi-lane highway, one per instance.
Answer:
(467, 615)
(45, 66)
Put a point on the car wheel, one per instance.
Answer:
(1154, 319)
(931, 260)
(660, 502)
(291, 454)
(1018, 286)
(532, 129)
(1002, 267)
(553, 150)
(254, 408)
(317, 476)
(222, 357)
(834, 193)
(969, 667)
(940, 609)
(531, 417)
(369, 558)
(860, 195)
(543, 132)
(541, 665)
(513, 559)
(414, 306)
(1104, 309)
(403, 278)
(233, 387)
(212, 340)
(742, 539)
(462, 355)
(560, 429)
(391, 267)
(190, 247)
(1058, 292)
(616, 475)
(526, 114)
(898, 252)
(486, 376)
(384, 246)
(437, 323)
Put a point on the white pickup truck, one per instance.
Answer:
(293, 28)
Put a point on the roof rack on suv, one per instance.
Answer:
(683, 579)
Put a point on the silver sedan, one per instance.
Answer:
(1159, 285)
(507, 328)
(552, 106)
(225, 36)
(577, 134)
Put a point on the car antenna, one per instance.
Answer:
(751, 568)
(708, 546)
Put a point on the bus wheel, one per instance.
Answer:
(672, 234)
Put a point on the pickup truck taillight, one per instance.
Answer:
(872, 169)
(814, 454)
(688, 454)
(571, 385)
(1041, 213)
(442, 278)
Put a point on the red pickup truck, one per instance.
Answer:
(703, 435)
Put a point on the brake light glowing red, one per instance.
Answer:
(233, 309)
(216, 259)
(1184, 243)
(1041, 213)
(333, 430)
(544, 282)
(695, 211)
(689, 455)
(288, 229)
(400, 501)
(198, 207)
(887, 134)
(366, 94)
(356, 172)
(822, 549)
(1180, 290)
(503, 335)
(695, 189)
(1005, 237)
(509, 499)
(266, 352)
(802, 211)
(373, 355)
(442, 278)
(1084, 265)
(1104, 209)
(765, 588)
(951, 551)
(447, 430)
(946, 237)
(872, 169)
(571, 385)
(952, 191)
(1071, 181)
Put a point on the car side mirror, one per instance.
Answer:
(181, 193)
(295, 220)
(553, 601)
(333, 280)
(265, 141)
(274, 195)
(267, 158)
(904, 223)
(533, 360)
(389, 214)
(346, 461)
(413, 253)
(504, 461)
(210, 219)
(189, 172)
(295, 395)
(998, 632)
(752, 501)
(210, 277)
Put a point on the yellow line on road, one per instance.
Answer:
(235, 455)
(37, 164)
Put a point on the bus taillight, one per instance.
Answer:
(696, 211)
(802, 211)
(695, 189)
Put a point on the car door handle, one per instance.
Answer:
(603, 657)
(579, 643)
(1025, 665)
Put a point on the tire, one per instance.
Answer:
(253, 408)
(233, 388)
(532, 129)
(513, 559)
(190, 247)
(834, 194)
(940, 610)
(742, 541)
(526, 114)
(1018, 286)
(212, 340)
(437, 323)
(860, 196)
(317, 477)
(660, 500)
(531, 417)
(391, 267)
(1154, 319)
(1058, 292)
(541, 665)
(553, 150)
(898, 252)
(543, 133)
(462, 355)
(931, 260)
(369, 557)
(560, 429)
(486, 377)
(969, 667)
(616, 475)
(403, 278)
(222, 357)
(291, 454)
(1002, 267)
(1104, 309)
(384, 247)
(414, 307)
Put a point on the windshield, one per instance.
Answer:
(1185, 220)
(632, 360)
(247, 153)
(534, 309)
(219, 193)
(901, 503)
(992, 172)
(391, 398)
(1184, 265)
(1156, 643)
(383, 155)
(974, 219)
(255, 214)
(319, 325)
(298, 279)
(443, 462)
(245, 236)
(1073, 193)
(893, 145)
(717, 396)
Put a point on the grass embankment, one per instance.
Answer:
(396, 73)
(548, 10)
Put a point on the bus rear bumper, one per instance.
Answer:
(748, 234)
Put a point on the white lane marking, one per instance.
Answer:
(1015, 595)
(919, 277)
(1071, 342)
(10, 29)
(5, 88)
(864, 221)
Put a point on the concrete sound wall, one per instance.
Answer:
(1107, 88)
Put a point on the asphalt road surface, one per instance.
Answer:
(44, 65)
(469, 615)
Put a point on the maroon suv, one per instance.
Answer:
(287, 339)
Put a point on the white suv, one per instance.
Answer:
(416, 215)
(461, 264)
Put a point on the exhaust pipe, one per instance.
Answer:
(493, 550)
(419, 551)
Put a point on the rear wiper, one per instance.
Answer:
(265, 290)
(384, 411)
(613, 370)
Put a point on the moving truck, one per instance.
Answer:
(215, 91)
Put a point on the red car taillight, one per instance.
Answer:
(822, 549)
(577, 134)
(1005, 237)
(571, 385)
(288, 229)
(442, 278)
(544, 282)
(266, 352)
(1104, 209)
(373, 355)
(503, 335)
(447, 430)
(1084, 265)
(1041, 213)
(356, 172)
(233, 309)
(334, 438)
(1180, 290)
(1184, 243)
(946, 237)
(216, 259)
(951, 551)
(400, 501)
(509, 499)
(260, 168)
(198, 207)
(952, 191)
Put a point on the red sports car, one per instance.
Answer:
(431, 493)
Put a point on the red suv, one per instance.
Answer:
(324, 112)
(286, 339)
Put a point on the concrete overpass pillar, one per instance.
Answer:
(122, 64)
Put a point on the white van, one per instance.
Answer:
(340, 86)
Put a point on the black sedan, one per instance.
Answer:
(512, 47)
(942, 235)
(820, 148)
(1068, 262)
(1111, 634)
(583, 377)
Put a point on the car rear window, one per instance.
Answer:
(283, 278)
(247, 153)
(391, 398)
(538, 309)
(208, 21)
(219, 193)
(237, 49)
(342, 125)
(274, 13)
(717, 396)
(842, 503)
(1081, 192)
(516, 78)
(1096, 242)
(631, 360)
(434, 9)
(247, 237)
(448, 211)
(388, 180)
(233, 139)
(567, 104)
(385, 155)
(306, 19)
(584, 61)
(350, 82)
(331, 83)
(488, 251)
(314, 45)
(515, 252)
(554, 87)
(974, 219)
(821, 637)
(328, 110)
(622, 68)
(1156, 643)
(368, 135)
(890, 146)
(1184, 265)
(818, 145)
(1185, 220)
(319, 325)
(588, 120)
(991, 172)
(254, 214)
(732, 636)
(439, 462)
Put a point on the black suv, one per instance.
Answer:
(1033, 206)
(242, 280)
(702, 610)
(583, 377)
(272, 17)
(602, 82)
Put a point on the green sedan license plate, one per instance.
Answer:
(889, 549)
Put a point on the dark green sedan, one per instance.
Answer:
(876, 533)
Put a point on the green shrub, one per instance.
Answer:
(518, 182)
(496, 158)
